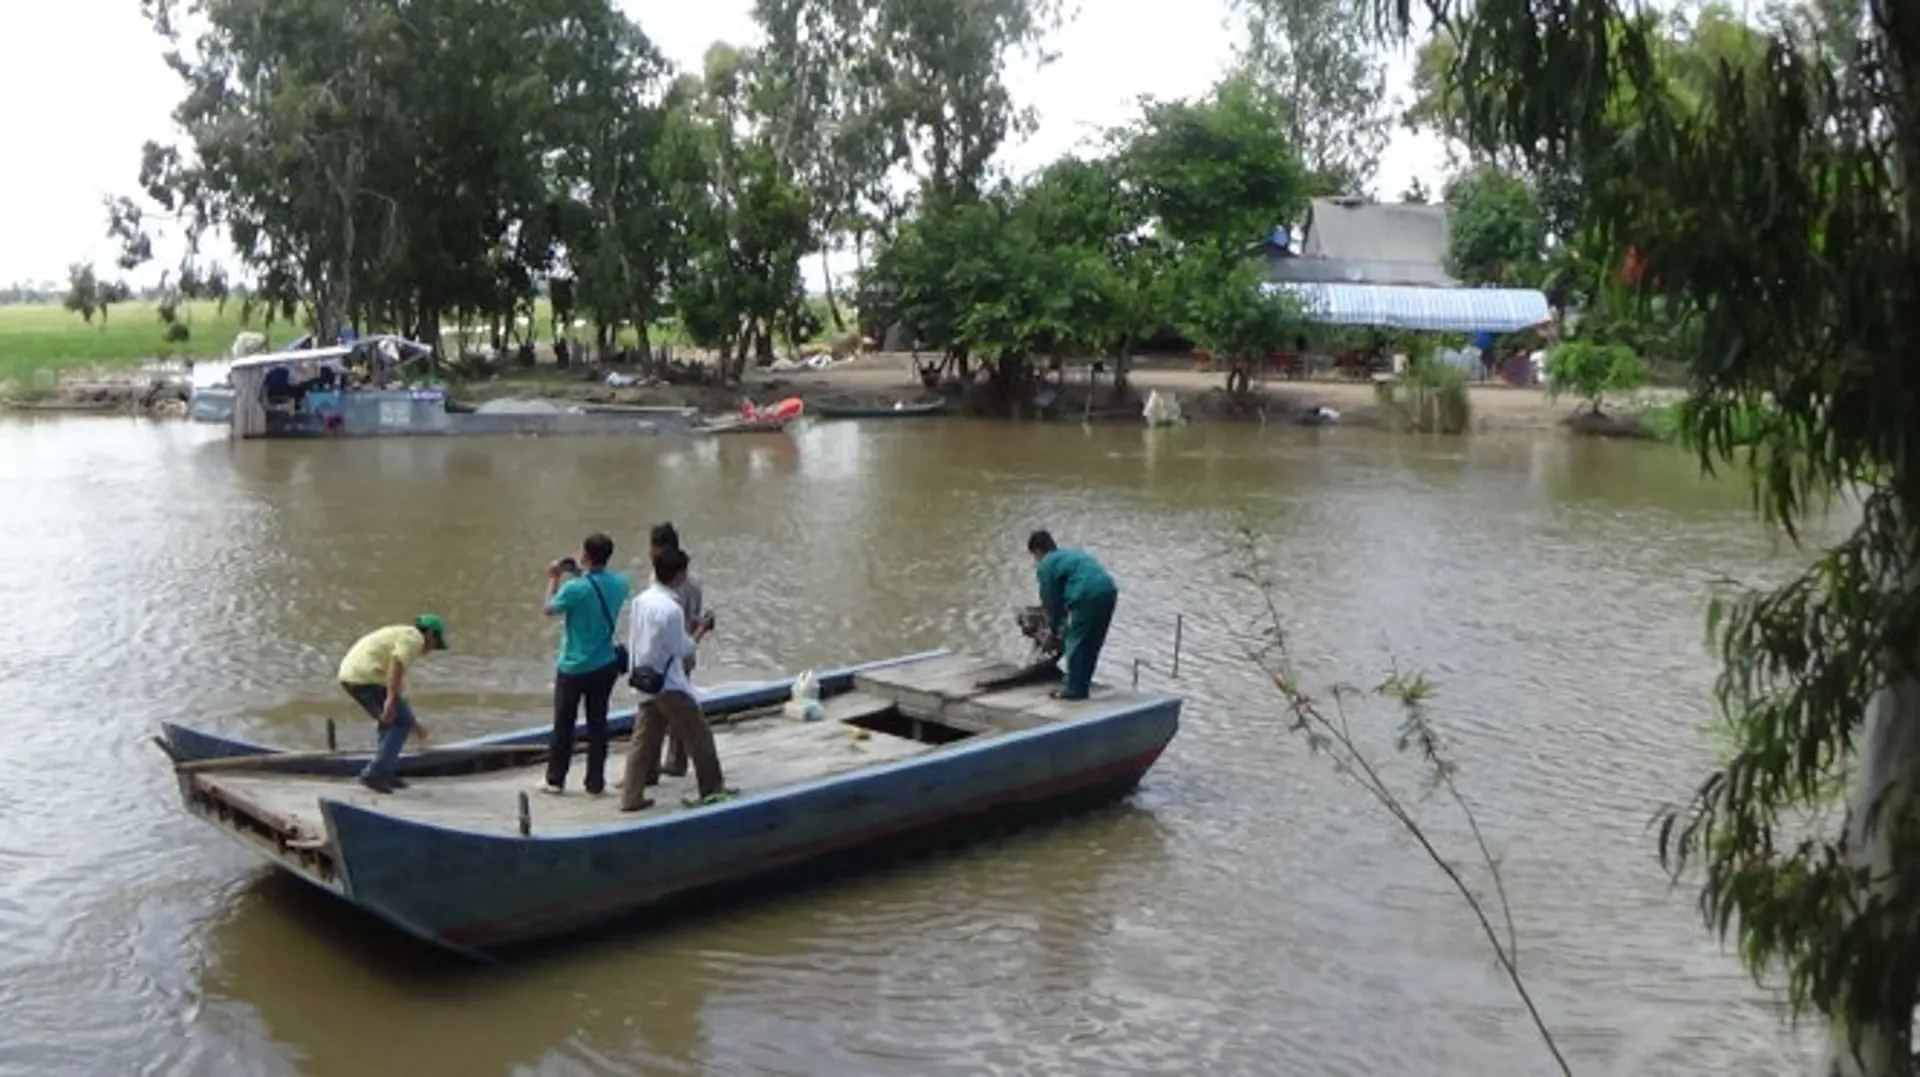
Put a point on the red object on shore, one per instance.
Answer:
(785, 410)
(1634, 267)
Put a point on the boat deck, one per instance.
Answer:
(893, 713)
(756, 755)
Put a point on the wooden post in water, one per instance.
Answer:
(333, 737)
(1136, 674)
(1179, 627)
(526, 817)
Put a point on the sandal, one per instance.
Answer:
(721, 797)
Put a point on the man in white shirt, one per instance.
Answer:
(660, 645)
(691, 596)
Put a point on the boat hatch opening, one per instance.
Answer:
(893, 722)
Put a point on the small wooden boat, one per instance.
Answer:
(879, 411)
(738, 425)
(910, 749)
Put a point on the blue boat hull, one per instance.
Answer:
(480, 893)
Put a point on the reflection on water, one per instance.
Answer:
(1245, 906)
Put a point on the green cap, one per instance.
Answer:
(433, 625)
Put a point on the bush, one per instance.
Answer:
(1591, 370)
(1436, 401)
(177, 333)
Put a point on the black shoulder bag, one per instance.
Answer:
(645, 681)
(621, 658)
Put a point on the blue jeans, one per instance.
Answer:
(391, 739)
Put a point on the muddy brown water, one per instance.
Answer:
(1246, 912)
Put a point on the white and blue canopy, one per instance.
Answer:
(1434, 310)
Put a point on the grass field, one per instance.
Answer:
(39, 343)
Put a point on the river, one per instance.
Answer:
(1245, 912)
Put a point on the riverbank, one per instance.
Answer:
(889, 378)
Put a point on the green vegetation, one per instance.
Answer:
(1740, 194)
(1431, 398)
(1592, 370)
(44, 338)
(370, 173)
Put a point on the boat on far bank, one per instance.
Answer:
(895, 754)
(896, 410)
(756, 420)
(353, 389)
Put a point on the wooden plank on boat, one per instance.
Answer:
(277, 760)
(927, 685)
(757, 757)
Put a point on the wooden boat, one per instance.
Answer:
(910, 749)
(739, 425)
(879, 411)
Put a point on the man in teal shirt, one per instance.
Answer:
(1078, 597)
(587, 666)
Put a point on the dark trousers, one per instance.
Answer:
(1087, 624)
(570, 690)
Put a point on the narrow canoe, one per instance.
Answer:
(738, 425)
(879, 411)
(909, 749)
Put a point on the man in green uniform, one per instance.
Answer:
(1078, 597)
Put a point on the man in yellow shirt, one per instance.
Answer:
(374, 673)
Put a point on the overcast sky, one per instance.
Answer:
(93, 88)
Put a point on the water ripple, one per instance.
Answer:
(1247, 912)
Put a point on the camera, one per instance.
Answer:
(568, 565)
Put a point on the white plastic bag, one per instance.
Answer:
(804, 704)
(806, 686)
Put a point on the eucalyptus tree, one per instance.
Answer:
(1772, 194)
(1320, 58)
(376, 161)
(746, 222)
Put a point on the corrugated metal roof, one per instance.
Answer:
(1436, 310)
(1390, 238)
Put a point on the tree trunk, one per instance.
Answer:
(833, 306)
(1884, 791)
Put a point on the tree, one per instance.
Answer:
(1318, 56)
(825, 94)
(946, 95)
(746, 223)
(1771, 194)
(374, 162)
(83, 293)
(1591, 370)
(1216, 174)
(1213, 177)
(1498, 233)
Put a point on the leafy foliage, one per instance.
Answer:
(1091, 255)
(1767, 196)
(1318, 57)
(1591, 370)
(1498, 231)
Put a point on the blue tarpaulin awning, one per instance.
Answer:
(1435, 310)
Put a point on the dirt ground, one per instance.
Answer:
(1201, 394)
(886, 378)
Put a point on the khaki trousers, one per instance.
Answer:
(678, 713)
